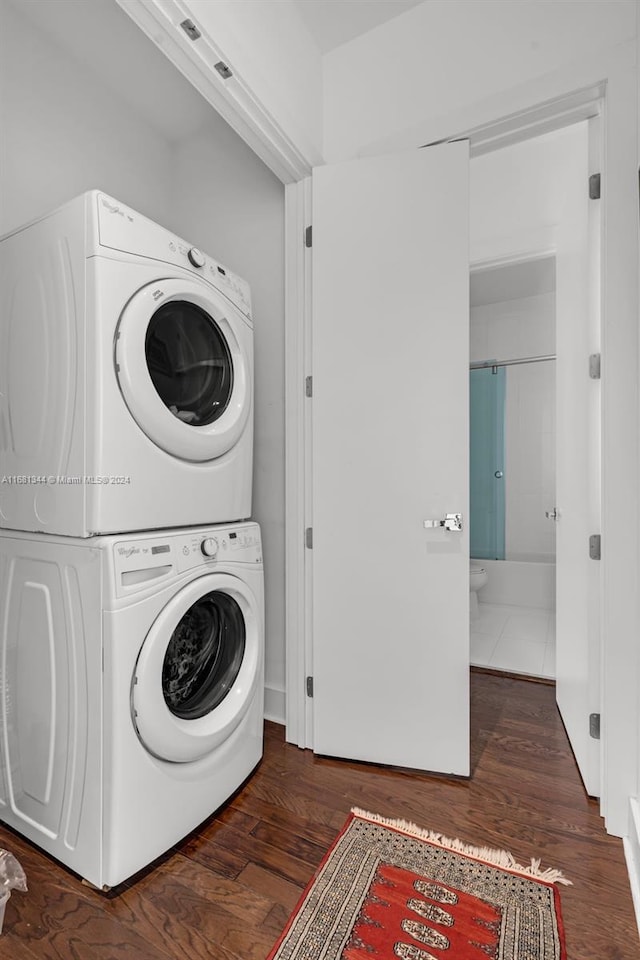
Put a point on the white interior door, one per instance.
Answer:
(390, 449)
(578, 464)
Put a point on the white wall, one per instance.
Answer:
(65, 130)
(518, 193)
(632, 845)
(512, 329)
(229, 204)
(444, 55)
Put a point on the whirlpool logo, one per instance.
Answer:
(128, 551)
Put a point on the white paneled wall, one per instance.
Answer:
(507, 330)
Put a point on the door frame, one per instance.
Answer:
(531, 107)
(553, 103)
(533, 245)
(298, 490)
(239, 103)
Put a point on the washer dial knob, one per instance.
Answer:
(196, 258)
(209, 547)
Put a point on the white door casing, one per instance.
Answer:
(578, 463)
(615, 77)
(573, 240)
(390, 449)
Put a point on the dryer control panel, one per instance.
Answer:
(121, 228)
(154, 558)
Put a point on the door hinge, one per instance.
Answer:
(594, 366)
(308, 538)
(308, 386)
(594, 546)
(308, 236)
(594, 725)
(309, 686)
(594, 186)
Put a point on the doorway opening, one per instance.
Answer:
(512, 392)
(535, 219)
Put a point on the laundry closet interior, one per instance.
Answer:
(91, 103)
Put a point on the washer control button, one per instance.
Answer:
(196, 258)
(209, 547)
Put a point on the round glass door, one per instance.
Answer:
(198, 668)
(183, 363)
(204, 656)
(189, 362)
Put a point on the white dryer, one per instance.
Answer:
(126, 377)
(131, 703)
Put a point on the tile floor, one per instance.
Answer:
(516, 639)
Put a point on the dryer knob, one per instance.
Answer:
(209, 547)
(196, 258)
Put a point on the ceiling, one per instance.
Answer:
(512, 281)
(334, 22)
(146, 80)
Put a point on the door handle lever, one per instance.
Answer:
(451, 522)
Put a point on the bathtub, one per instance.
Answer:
(520, 582)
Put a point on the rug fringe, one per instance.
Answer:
(499, 858)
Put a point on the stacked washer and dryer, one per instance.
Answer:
(131, 581)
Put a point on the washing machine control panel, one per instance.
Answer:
(141, 562)
(237, 544)
(209, 546)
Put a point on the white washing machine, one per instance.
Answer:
(126, 373)
(131, 694)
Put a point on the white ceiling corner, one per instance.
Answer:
(334, 22)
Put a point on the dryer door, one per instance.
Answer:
(198, 668)
(182, 368)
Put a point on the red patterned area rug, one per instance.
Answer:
(387, 889)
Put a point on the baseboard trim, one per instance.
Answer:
(275, 704)
(632, 854)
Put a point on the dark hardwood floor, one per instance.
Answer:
(226, 891)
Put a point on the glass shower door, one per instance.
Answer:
(487, 486)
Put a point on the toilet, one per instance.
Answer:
(478, 577)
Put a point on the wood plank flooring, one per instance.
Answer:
(227, 890)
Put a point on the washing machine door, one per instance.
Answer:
(198, 669)
(182, 368)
